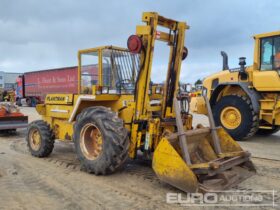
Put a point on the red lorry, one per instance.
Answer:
(34, 86)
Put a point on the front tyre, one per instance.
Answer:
(236, 115)
(101, 141)
(40, 138)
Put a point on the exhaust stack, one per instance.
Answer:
(225, 60)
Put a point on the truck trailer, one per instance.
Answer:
(34, 86)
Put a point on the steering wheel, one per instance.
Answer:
(122, 83)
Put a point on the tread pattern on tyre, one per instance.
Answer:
(47, 138)
(254, 125)
(115, 140)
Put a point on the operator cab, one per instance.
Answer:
(107, 70)
(267, 62)
(270, 53)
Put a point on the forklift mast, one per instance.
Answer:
(144, 42)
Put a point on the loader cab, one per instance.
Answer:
(270, 53)
(267, 62)
(107, 70)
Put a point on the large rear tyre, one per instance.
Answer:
(267, 132)
(236, 115)
(101, 140)
(40, 139)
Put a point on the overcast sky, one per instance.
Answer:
(47, 34)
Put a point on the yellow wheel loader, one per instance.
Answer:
(246, 100)
(115, 116)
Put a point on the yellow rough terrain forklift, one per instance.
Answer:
(115, 116)
(246, 100)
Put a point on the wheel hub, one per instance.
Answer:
(35, 139)
(91, 141)
(230, 117)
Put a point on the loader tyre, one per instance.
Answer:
(267, 132)
(40, 138)
(236, 115)
(101, 140)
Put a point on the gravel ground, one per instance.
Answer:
(56, 182)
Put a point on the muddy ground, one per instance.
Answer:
(56, 182)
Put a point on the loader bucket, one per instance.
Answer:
(11, 118)
(207, 170)
(171, 168)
